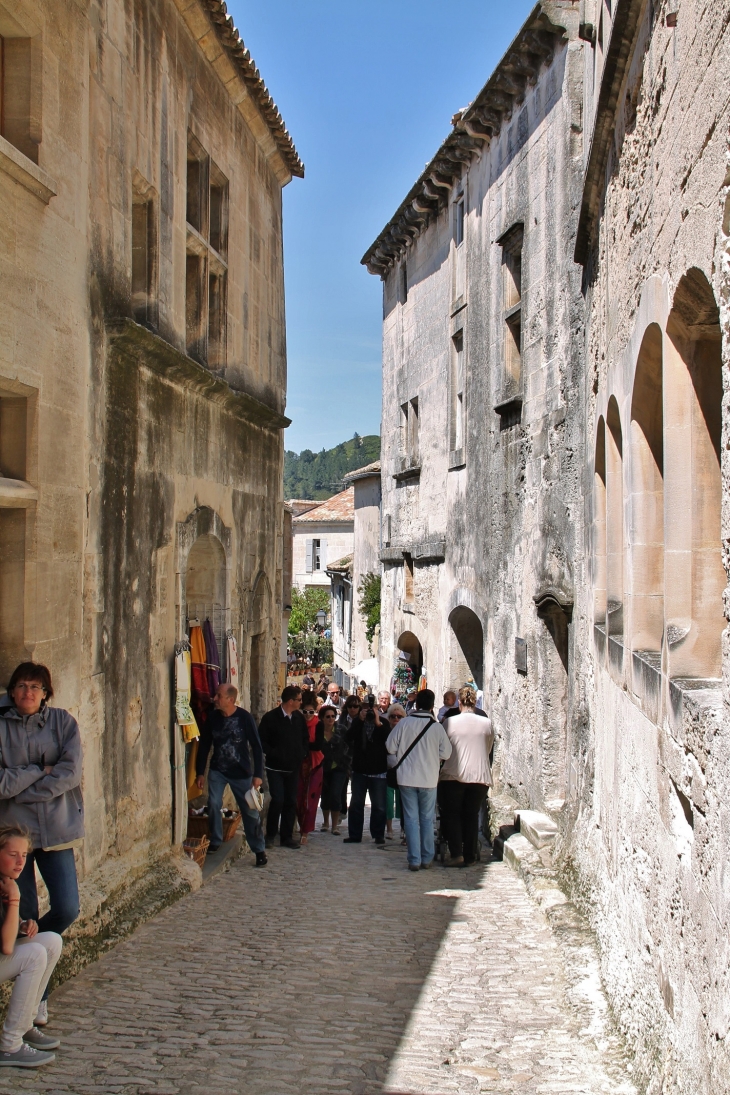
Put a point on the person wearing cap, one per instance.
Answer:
(232, 734)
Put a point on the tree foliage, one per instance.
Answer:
(369, 603)
(305, 637)
(319, 475)
(305, 604)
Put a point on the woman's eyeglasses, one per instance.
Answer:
(329, 714)
(308, 710)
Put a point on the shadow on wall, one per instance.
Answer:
(467, 648)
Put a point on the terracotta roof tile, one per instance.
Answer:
(341, 507)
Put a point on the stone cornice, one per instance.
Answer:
(618, 55)
(160, 357)
(235, 67)
(474, 128)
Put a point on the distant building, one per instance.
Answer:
(322, 532)
(349, 640)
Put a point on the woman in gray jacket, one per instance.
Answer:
(40, 788)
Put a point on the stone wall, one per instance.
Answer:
(647, 837)
(489, 515)
(129, 443)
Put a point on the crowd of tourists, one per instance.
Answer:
(315, 749)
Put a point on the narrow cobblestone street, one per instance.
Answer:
(336, 971)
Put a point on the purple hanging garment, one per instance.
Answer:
(212, 657)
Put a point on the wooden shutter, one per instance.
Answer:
(322, 554)
(310, 554)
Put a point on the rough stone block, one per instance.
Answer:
(515, 849)
(538, 828)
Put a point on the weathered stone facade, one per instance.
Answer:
(555, 489)
(142, 388)
(481, 460)
(648, 827)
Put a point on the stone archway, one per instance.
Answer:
(410, 645)
(466, 656)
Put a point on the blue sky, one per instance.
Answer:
(367, 90)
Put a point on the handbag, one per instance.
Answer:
(254, 799)
(390, 776)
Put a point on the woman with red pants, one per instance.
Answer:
(310, 776)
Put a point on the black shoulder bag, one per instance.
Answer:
(391, 776)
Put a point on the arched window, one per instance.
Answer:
(646, 509)
(467, 647)
(599, 526)
(694, 574)
(614, 523)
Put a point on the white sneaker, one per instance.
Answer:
(41, 1018)
(26, 1057)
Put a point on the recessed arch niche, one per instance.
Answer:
(646, 528)
(260, 630)
(466, 659)
(694, 575)
(409, 644)
(614, 521)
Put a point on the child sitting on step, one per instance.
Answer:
(27, 957)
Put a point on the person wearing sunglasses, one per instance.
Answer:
(331, 740)
(40, 790)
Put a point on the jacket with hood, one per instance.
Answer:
(49, 806)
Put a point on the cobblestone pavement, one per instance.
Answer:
(334, 971)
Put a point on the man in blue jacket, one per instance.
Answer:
(232, 733)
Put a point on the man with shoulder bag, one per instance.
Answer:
(418, 743)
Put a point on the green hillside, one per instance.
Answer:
(319, 475)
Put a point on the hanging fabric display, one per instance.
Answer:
(403, 679)
(200, 697)
(212, 658)
(231, 659)
(183, 711)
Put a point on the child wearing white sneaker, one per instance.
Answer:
(27, 957)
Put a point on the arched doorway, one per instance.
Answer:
(466, 658)
(409, 645)
(205, 585)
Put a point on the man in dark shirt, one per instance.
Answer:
(366, 736)
(285, 739)
(232, 733)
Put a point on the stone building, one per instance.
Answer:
(142, 390)
(481, 510)
(648, 816)
(349, 639)
(555, 480)
(322, 533)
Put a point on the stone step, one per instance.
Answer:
(505, 832)
(515, 849)
(538, 828)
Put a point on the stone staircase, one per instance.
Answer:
(530, 829)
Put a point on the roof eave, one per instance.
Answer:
(533, 45)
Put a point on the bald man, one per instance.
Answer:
(232, 733)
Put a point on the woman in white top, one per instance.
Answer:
(464, 779)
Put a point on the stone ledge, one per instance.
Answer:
(538, 828)
(160, 357)
(16, 494)
(27, 173)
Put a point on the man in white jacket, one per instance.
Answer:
(418, 775)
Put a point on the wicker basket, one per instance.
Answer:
(196, 848)
(198, 826)
(230, 826)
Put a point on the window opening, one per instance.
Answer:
(20, 95)
(459, 222)
(512, 301)
(408, 594)
(457, 391)
(206, 305)
(144, 256)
